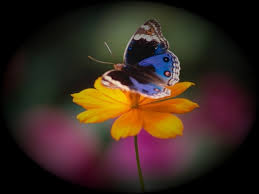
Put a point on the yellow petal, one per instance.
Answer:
(179, 88)
(115, 94)
(162, 125)
(128, 124)
(176, 90)
(177, 105)
(101, 114)
(92, 98)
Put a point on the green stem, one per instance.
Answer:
(138, 164)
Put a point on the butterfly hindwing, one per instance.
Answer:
(166, 67)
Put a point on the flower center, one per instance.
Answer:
(134, 99)
(134, 105)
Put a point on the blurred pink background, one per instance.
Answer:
(41, 77)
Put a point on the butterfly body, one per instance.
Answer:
(148, 64)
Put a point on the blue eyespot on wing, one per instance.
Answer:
(166, 67)
(146, 42)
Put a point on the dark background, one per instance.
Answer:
(21, 174)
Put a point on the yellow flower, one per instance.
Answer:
(134, 111)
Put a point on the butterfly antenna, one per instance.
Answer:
(98, 61)
(108, 48)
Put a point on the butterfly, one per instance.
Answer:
(148, 65)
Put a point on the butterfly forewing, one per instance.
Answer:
(136, 83)
(146, 42)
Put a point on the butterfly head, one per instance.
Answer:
(118, 66)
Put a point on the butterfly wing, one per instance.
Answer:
(148, 47)
(166, 68)
(146, 42)
(136, 83)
